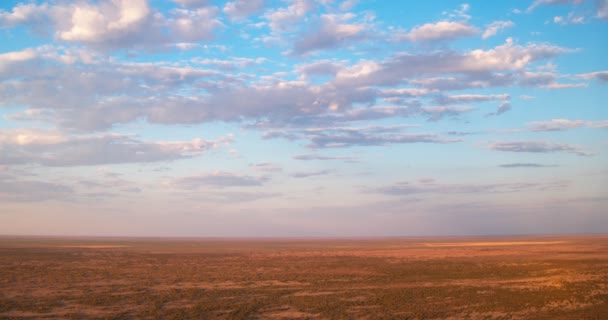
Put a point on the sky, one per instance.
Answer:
(303, 118)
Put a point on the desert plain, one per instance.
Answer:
(531, 277)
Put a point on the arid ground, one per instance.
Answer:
(543, 277)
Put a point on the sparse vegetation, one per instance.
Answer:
(289, 279)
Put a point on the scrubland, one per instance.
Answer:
(545, 277)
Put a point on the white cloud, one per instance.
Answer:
(340, 137)
(566, 85)
(23, 13)
(308, 174)
(282, 19)
(312, 156)
(440, 31)
(193, 25)
(333, 31)
(496, 26)
(565, 124)
(538, 3)
(219, 179)
(11, 58)
(266, 167)
(598, 75)
(241, 9)
(537, 147)
(462, 12)
(106, 22)
(115, 24)
(347, 5)
(191, 3)
(602, 9)
(321, 67)
(571, 18)
(49, 148)
(481, 66)
(406, 188)
(14, 189)
(460, 98)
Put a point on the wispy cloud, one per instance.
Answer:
(308, 174)
(50, 148)
(538, 3)
(364, 136)
(218, 179)
(440, 31)
(493, 28)
(601, 76)
(406, 188)
(537, 147)
(565, 124)
(312, 156)
(332, 31)
(526, 165)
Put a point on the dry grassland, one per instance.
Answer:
(409, 278)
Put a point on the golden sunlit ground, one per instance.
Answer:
(544, 277)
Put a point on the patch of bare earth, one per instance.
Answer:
(287, 312)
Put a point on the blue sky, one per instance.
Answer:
(303, 118)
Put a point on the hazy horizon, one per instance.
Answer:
(303, 118)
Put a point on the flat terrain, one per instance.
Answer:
(411, 278)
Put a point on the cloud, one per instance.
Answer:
(480, 66)
(266, 167)
(538, 3)
(19, 190)
(191, 3)
(442, 99)
(571, 18)
(601, 76)
(348, 4)
(566, 85)
(239, 197)
(547, 80)
(537, 147)
(23, 14)
(525, 165)
(108, 180)
(438, 113)
(116, 24)
(462, 12)
(440, 31)
(218, 179)
(79, 89)
(537, 79)
(312, 156)
(602, 9)
(241, 9)
(192, 25)
(406, 188)
(496, 26)
(319, 68)
(333, 31)
(503, 107)
(404, 92)
(307, 174)
(232, 64)
(565, 124)
(107, 22)
(340, 137)
(48, 148)
(283, 19)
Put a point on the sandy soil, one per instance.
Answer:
(419, 278)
